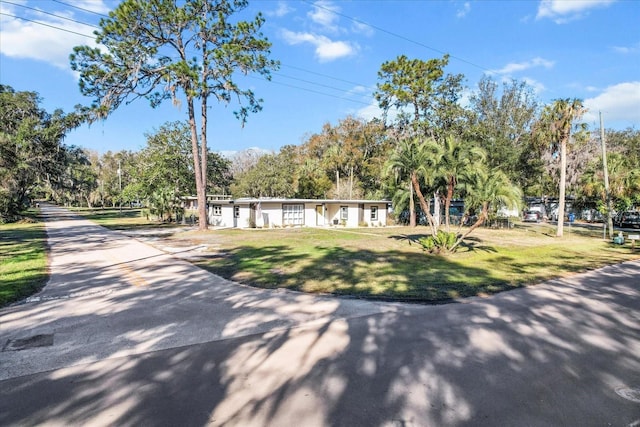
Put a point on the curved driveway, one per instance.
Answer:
(125, 334)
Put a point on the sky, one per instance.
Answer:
(330, 53)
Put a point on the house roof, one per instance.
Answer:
(285, 200)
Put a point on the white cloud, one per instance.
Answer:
(627, 49)
(30, 40)
(325, 49)
(562, 11)
(96, 6)
(323, 14)
(282, 10)
(464, 10)
(618, 103)
(514, 67)
(362, 28)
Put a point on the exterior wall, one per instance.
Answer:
(316, 213)
(381, 212)
(334, 211)
(271, 215)
(244, 215)
(225, 219)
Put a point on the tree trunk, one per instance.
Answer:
(484, 214)
(412, 207)
(424, 205)
(351, 183)
(563, 183)
(447, 203)
(437, 215)
(200, 188)
(203, 129)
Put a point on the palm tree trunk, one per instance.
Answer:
(563, 183)
(412, 207)
(484, 214)
(424, 205)
(447, 203)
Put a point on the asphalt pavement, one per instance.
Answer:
(128, 334)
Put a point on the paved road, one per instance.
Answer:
(125, 334)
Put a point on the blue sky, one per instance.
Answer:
(331, 52)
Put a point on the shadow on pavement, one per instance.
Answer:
(210, 352)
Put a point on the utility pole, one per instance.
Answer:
(606, 178)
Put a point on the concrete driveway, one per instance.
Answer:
(125, 334)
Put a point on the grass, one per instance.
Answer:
(23, 260)
(388, 263)
(125, 219)
(378, 263)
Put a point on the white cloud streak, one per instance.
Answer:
(514, 67)
(96, 6)
(563, 11)
(627, 50)
(282, 10)
(322, 14)
(326, 50)
(464, 10)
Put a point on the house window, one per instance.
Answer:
(292, 214)
(236, 211)
(344, 213)
(217, 210)
(374, 213)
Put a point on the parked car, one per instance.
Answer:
(628, 219)
(531, 216)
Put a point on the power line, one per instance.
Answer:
(375, 27)
(281, 75)
(312, 91)
(48, 13)
(274, 82)
(47, 25)
(321, 75)
(93, 26)
(81, 8)
(310, 82)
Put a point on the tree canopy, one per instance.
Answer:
(191, 51)
(32, 152)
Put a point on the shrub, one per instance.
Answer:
(441, 242)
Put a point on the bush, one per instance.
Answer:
(441, 242)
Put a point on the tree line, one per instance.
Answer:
(351, 159)
(431, 145)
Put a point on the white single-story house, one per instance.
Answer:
(276, 212)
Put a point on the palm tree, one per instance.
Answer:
(487, 190)
(411, 161)
(624, 179)
(558, 119)
(457, 160)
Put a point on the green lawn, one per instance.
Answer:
(387, 263)
(125, 219)
(382, 263)
(23, 260)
